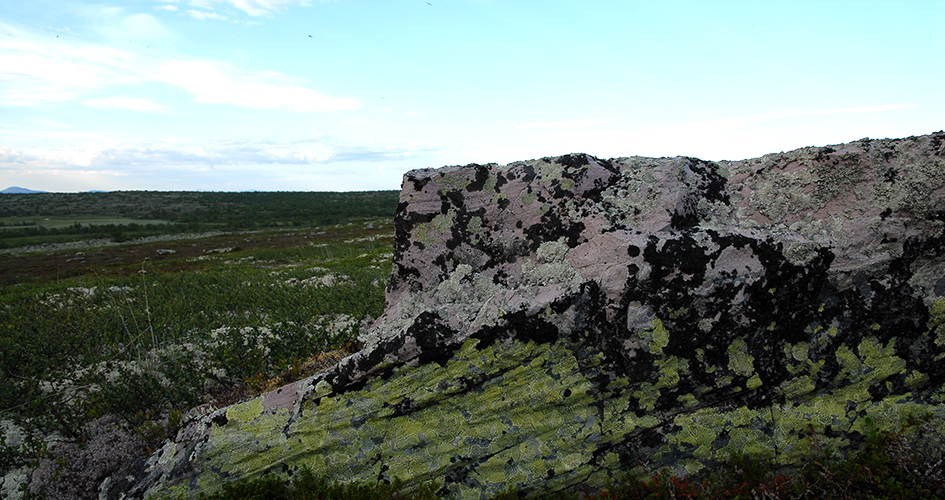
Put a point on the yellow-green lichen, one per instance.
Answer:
(534, 415)
(739, 361)
(799, 386)
(670, 370)
(881, 361)
(245, 412)
(916, 379)
(647, 394)
(937, 321)
(657, 336)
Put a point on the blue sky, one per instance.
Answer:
(308, 95)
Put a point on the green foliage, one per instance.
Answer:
(167, 338)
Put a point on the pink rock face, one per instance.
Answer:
(478, 243)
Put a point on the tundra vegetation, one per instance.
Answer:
(225, 296)
(132, 337)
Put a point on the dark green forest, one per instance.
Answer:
(178, 211)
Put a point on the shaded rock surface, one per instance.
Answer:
(555, 322)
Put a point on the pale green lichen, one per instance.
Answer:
(529, 197)
(474, 227)
(551, 268)
(550, 171)
(323, 388)
(428, 233)
(456, 181)
(490, 184)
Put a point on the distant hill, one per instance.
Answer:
(19, 190)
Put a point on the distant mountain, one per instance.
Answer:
(19, 190)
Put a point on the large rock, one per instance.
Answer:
(552, 323)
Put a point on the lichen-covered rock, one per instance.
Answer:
(554, 322)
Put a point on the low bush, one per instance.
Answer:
(140, 350)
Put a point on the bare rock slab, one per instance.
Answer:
(556, 322)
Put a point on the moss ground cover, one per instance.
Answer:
(145, 340)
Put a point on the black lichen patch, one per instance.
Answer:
(574, 160)
(711, 184)
(432, 336)
(418, 184)
(403, 407)
(479, 181)
(429, 333)
(935, 143)
(520, 326)
(553, 227)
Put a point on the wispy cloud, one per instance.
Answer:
(114, 153)
(255, 8)
(138, 27)
(566, 124)
(37, 69)
(172, 8)
(134, 104)
(203, 16)
(44, 69)
(219, 83)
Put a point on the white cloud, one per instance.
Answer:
(203, 16)
(142, 28)
(323, 163)
(255, 8)
(172, 8)
(114, 153)
(43, 69)
(265, 7)
(566, 124)
(36, 69)
(134, 104)
(218, 83)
